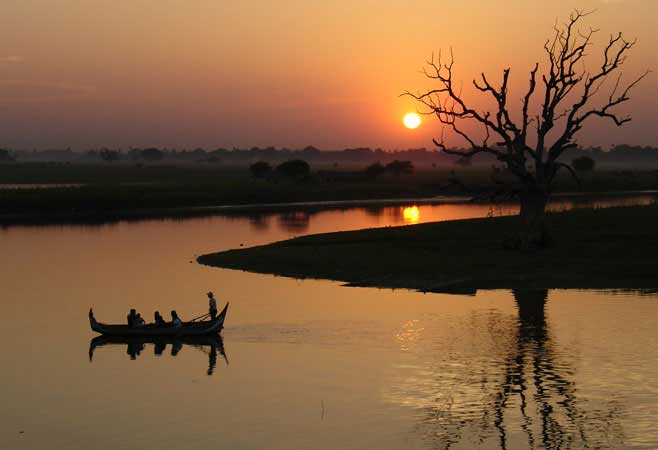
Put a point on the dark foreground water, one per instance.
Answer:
(308, 364)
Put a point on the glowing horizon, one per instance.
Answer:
(286, 74)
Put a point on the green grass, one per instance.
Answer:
(604, 248)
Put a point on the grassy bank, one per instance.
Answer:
(120, 187)
(597, 249)
(121, 190)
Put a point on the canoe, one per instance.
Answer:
(200, 328)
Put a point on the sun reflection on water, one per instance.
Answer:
(411, 214)
(409, 334)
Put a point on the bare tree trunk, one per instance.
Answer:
(533, 208)
(534, 233)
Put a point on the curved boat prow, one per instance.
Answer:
(92, 321)
(222, 316)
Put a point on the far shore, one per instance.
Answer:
(611, 248)
(99, 193)
(48, 217)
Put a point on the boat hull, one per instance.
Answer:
(201, 328)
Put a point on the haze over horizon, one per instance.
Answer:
(289, 74)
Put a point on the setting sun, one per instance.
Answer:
(411, 121)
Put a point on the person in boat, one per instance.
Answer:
(212, 305)
(175, 320)
(131, 318)
(139, 321)
(159, 320)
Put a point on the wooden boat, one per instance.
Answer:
(200, 328)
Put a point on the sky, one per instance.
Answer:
(288, 73)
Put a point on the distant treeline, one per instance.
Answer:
(620, 155)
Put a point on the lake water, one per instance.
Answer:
(309, 364)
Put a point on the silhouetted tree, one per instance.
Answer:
(108, 155)
(295, 168)
(566, 106)
(375, 170)
(583, 164)
(398, 168)
(152, 154)
(6, 155)
(260, 169)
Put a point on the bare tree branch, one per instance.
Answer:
(565, 53)
(569, 99)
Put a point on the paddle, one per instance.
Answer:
(200, 317)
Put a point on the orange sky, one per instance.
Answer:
(215, 73)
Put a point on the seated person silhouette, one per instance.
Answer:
(159, 320)
(175, 320)
(138, 321)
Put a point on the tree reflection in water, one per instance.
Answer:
(210, 345)
(503, 384)
(295, 221)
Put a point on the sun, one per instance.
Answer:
(411, 121)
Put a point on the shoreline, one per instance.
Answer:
(611, 248)
(182, 212)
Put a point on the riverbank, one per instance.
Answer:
(98, 193)
(597, 249)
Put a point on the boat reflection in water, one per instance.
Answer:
(210, 345)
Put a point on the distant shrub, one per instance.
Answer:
(152, 154)
(260, 169)
(583, 164)
(375, 170)
(464, 161)
(295, 168)
(6, 155)
(398, 168)
(109, 155)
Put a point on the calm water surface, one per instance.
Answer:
(308, 364)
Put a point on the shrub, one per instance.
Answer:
(6, 155)
(109, 155)
(151, 154)
(295, 168)
(464, 161)
(260, 169)
(398, 168)
(583, 164)
(375, 170)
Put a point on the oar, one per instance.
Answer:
(200, 317)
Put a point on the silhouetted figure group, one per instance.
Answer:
(135, 319)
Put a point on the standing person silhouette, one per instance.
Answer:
(212, 305)
(131, 318)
